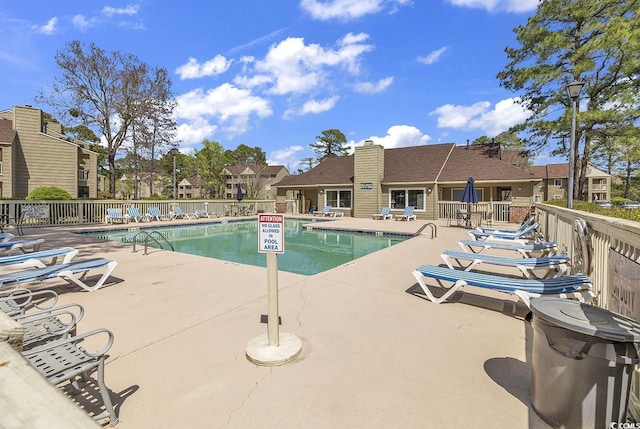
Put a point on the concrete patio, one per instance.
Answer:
(375, 352)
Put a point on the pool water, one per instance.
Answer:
(306, 252)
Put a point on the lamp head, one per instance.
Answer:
(574, 88)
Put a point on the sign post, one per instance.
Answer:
(274, 348)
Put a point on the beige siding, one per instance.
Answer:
(368, 171)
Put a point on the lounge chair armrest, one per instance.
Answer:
(23, 297)
(76, 339)
(78, 312)
(65, 318)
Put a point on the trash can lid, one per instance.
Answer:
(586, 319)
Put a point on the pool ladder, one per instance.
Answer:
(434, 229)
(151, 236)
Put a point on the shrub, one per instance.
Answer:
(49, 193)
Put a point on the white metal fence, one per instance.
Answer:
(497, 211)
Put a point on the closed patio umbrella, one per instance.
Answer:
(470, 197)
(239, 195)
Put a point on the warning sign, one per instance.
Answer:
(270, 233)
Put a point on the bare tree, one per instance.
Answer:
(104, 91)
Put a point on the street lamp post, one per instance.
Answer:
(174, 152)
(573, 90)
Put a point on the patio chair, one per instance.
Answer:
(155, 213)
(64, 360)
(19, 300)
(384, 214)
(326, 211)
(527, 234)
(115, 215)
(35, 259)
(178, 213)
(542, 248)
(549, 266)
(407, 215)
(576, 286)
(68, 272)
(48, 325)
(134, 213)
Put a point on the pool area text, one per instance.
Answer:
(270, 233)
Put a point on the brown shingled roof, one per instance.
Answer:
(555, 171)
(464, 163)
(415, 164)
(7, 133)
(333, 170)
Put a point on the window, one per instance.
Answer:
(458, 193)
(557, 197)
(338, 198)
(537, 198)
(401, 198)
(557, 183)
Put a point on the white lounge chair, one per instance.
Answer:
(384, 214)
(576, 286)
(543, 248)
(326, 211)
(134, 213)
(407, 214)
(68, 272)
(522, 227)
(24, 246)
(527, 234)
(178, 213)
(155, 213)
(549, 266)
(35, 259)
(115, 215)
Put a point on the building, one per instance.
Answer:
(256, 180)
(420, 176)
(35, 153)
(191, 187)
(555, 178)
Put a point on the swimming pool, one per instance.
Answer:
(306, 252)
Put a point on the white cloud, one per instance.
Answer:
(434, 56)
(399, 136)
(286, 157)
(81, 22)
(194, 132)
(346, 10)
(295, 68)
(229, 105)
(129, 10)
(314, 106)
(192, 69)
(49, 28)
(373, 87)
(515, 6)
(478, 116)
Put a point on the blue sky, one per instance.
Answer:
(276, 73)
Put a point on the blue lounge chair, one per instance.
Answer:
(576, 286)
(549, 266)
(35, 259)
(326, 211)
(407, 215)
(115, 215)
(522, 227)
(24, 246)
(134, 213)
(155, 213)
(384, 214)
(527, 234)
(66, 272)
(543, 248)
(178, 213)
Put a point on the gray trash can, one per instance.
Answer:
(582, 361)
